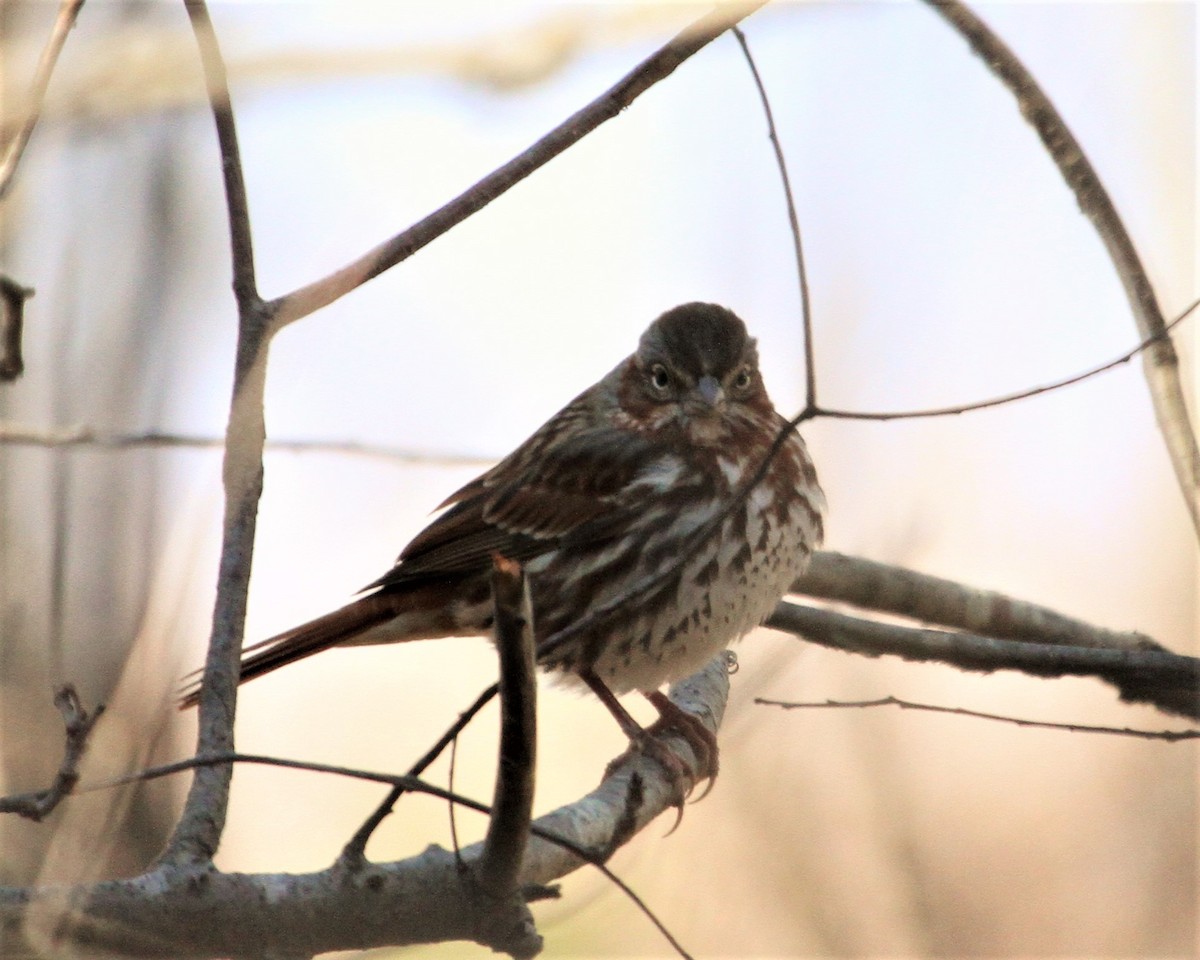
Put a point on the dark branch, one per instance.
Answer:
(1166, 680)
(883, 588)
(78, 724)
(217, 84)
(12, 322)
(506, 923)
(353, 856)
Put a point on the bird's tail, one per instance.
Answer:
(407, 614)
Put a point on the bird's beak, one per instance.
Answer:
(709, 390)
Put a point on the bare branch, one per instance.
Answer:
(199, 828)
(884, 588)
(308, 299)
(12, 317)
(217, 88)
(1161, 363)
(68, 11)
(1170, 736)
(1166, 680)
(78, 724)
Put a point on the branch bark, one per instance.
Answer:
(884, 588)
(198, 831)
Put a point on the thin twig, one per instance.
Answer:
(661, 64)
(354, 854)
(1020, 394)
(1170, 736)
(810, 366)
(12, 322)
(68, 11)
(12, 434)
(77, 723)
(1166, 680)
(1161, 362)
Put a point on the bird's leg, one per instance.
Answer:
(671, 720)
(674, 719)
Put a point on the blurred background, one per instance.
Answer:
(948, 263)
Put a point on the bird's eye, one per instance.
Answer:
(743, 379)
(660, 378)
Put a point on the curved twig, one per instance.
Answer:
(1161, 363)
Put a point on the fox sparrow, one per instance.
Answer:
(659, 516)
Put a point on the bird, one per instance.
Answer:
(659, 516)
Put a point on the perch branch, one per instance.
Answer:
(420, 900)
(1160, 363)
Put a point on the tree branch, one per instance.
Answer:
(660, 65)
(507, 925)
(199, 828)
(1160, 363)
(884, 588)
(1166, 680)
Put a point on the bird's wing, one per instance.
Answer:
(575, 479)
